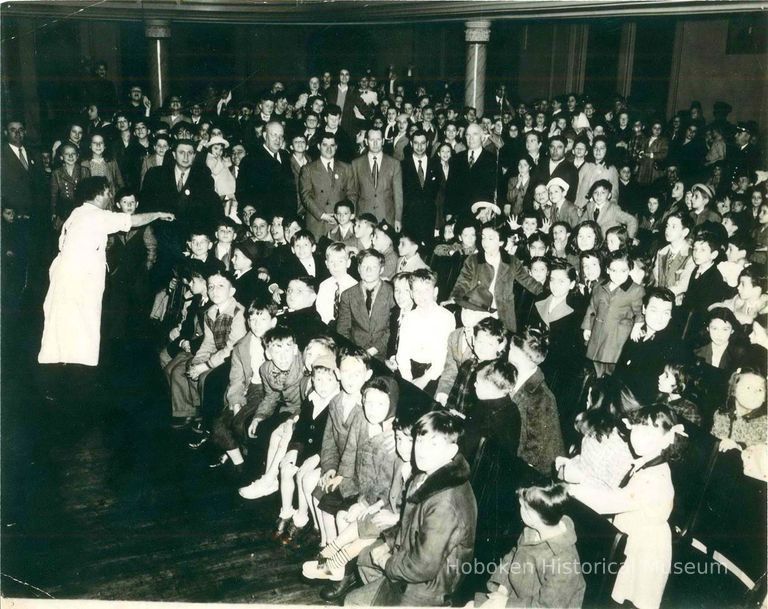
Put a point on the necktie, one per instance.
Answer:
(369, 300)
(336, 301)
(421, 174)
(375, 172)
(23, 158)
(180, 183)
(329, 169)
(277, 157)
(471, 158)
(595, 213)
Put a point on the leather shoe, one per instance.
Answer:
(284, 525)
(199, 443)
(336, 591)
(222, 460)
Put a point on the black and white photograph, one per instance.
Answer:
(443, 303)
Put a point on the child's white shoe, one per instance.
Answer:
(259, 488)
(312, 570)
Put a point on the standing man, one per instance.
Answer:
(472, 175)
(420, 185)
(22, 174)
(266, 179)
(379, 182)
(557, 166)
(322, 184)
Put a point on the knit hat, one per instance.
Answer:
(559, 182)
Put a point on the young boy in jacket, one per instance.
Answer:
(418, 563)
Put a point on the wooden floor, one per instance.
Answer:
(102, 500)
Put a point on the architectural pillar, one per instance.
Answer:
(477, 34)
(626, 59)
(577, 57)
(158, 32)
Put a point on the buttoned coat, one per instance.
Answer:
(365, 330)
(320, 190)
(385, 200)
(610, 316)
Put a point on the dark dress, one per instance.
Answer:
(308, 432)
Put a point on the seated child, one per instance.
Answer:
(604, 456)
(401, 289)
(300, 468)
(225, 235)
(410, 258)
(384, 242)
(739, 247)
(468, 347)
(224, 326)
(301, 316)
(673, 385)
(245, 390)
(641, 506)
(416, 561)
(366, 466)
(343, 412)
(282, 377)
(344, 231)
(751, 300)
(329, 293)
(421, 361)
(542, 570)
(741, 423)
(365, 226)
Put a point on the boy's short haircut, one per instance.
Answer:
(424, 275)
(620, 254)
(308, 281)
(441, 422)
(344, 203)
(126, 191)
(530, 213)
(407, 415)
(402, 276)
(325, 340)
(538, 236)
(277, 334)
(336, 247)
(663, 294)
(549, 502)
(742, 241)
(562, 223)
(258, 305)
(302, 234)
(710, 238)
(685, 220)
(225, 274)
(561, 264)
(500, 373)
(600, 183)
(757, 276)
(226, 222)
(333, 109)
(592, 254)
(357, 353)
(534, 343)
(192, 268)
(198, 231)
(493, 326)
(370, 253)
(411, 237)
(369, 219)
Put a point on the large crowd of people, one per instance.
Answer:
(565, 281)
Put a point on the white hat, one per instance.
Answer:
(476, 207)
(560, 182)
(217, 139)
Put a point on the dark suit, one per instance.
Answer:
(385, 200)
(267, 183)
(23, 189)
(320, 190)
(291, 268)
(564, 170)
(351, 100)
(419, 211)
(365, 330)
(467, 185)
(197, 205)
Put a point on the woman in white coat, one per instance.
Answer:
(72, 307)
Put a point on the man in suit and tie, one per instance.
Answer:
(557, 166)
(379, 182)
(345, 143)
(364, 308)
(22, 174)
(472, 175)
(322, 184)
(186, 190)
(420, 184)
(266, 179)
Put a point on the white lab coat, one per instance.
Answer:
(72, 307)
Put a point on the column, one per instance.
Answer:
(626, 59)
(158, 32)
(28, 77)
(477, 34)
